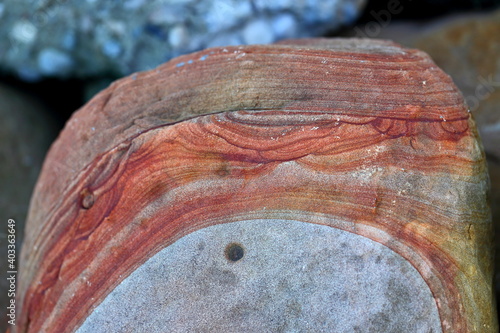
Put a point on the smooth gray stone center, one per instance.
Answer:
(270, 276)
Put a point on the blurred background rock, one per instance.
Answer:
(82, 38)
(56, 54)
(27, 129)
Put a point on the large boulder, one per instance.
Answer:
(314, 185)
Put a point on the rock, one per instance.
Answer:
(467, 47)
(353, 164)
(285, 26)
(258, 32)
(288, 284)
(26, 132)
(54, 62)
(494, 171)
(93, 38)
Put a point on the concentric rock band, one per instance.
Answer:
(360, 135)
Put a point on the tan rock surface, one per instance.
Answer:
(467, 47)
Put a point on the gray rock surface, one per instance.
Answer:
(62, 38)
(287, 276)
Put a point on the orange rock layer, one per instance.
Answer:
(364, 134)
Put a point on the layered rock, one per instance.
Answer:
(365, 137)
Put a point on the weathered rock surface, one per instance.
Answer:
(468, 50)
(361, 136)
(467, 47)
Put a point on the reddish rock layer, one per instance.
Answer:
(366, 133)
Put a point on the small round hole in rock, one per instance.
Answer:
(234, 252)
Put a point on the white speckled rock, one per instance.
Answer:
(95, 37)
(54, 62)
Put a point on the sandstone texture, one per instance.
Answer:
(362, 136)
(467, 47)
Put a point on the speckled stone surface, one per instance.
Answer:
(64, 38)
(291, 277)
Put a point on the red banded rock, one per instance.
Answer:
(331, 185)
